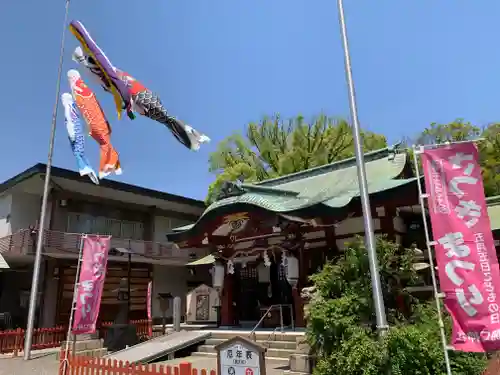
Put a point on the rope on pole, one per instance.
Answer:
(39, 242)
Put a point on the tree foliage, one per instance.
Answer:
(274, 147)
(488, 146)
(341, 320)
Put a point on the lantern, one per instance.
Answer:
(292, 270)
(218, 275)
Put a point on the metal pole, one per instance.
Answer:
(129, 274)
(39, 244)
(431, 263)
(73, 306)
(363, 185)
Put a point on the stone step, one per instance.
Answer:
(276, 353)
(84, 344)
(275, 360)
(290, 372)
(264, 343)
(259, 336)
(101, 352)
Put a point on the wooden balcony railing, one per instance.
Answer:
(23, 243)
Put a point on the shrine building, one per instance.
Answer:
(266, 238)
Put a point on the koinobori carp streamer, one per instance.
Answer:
(97, 123)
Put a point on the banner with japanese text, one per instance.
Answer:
(464, 248)
(150, 318)
(90, 284)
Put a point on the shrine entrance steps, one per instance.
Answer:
(280, 346)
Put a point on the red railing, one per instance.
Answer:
(23, 242)
(12, 341)
(90, 366)
(143, 328)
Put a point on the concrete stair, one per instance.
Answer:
(88, 348)
(279, 346)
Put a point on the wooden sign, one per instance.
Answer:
(240, 356)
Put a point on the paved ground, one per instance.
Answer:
(40, 364)
(210, 363)
(45, 363)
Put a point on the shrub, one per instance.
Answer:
(341, 329)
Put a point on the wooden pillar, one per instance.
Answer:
(386, 215)
(149, 224)
(227, 311)
(53, 208)
(298, 305)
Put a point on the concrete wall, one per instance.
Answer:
(164, 225)
(5, 215)
(25, 210)
(169, 279)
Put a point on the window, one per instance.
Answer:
(84, 223)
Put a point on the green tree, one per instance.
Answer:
(488, 146)
(341, 320)
(458, 130)
(489, 149)
(274, 147)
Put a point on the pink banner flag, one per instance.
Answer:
(92, 275)
(150, 324)
(464, 247)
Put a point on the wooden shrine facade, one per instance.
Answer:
(308, 215)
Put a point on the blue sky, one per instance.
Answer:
(220, 64)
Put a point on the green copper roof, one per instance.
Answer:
(494, 211)
(333, 185)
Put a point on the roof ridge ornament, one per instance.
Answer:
(230, 189)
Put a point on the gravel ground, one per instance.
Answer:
(40, 364)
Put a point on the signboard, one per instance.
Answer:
(240, 356)
(200, 304)
(465, 251)
(92, 275)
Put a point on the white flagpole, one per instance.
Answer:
(437, 295)
(378, 298)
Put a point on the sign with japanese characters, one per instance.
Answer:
(464, 248)
(90, 283)
(239, 356)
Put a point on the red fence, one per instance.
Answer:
(90, 366)
(12, 341)
(142, 327)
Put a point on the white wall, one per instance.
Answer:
(25, 211)
(164, 225)
(169, 279)
(5, 211)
